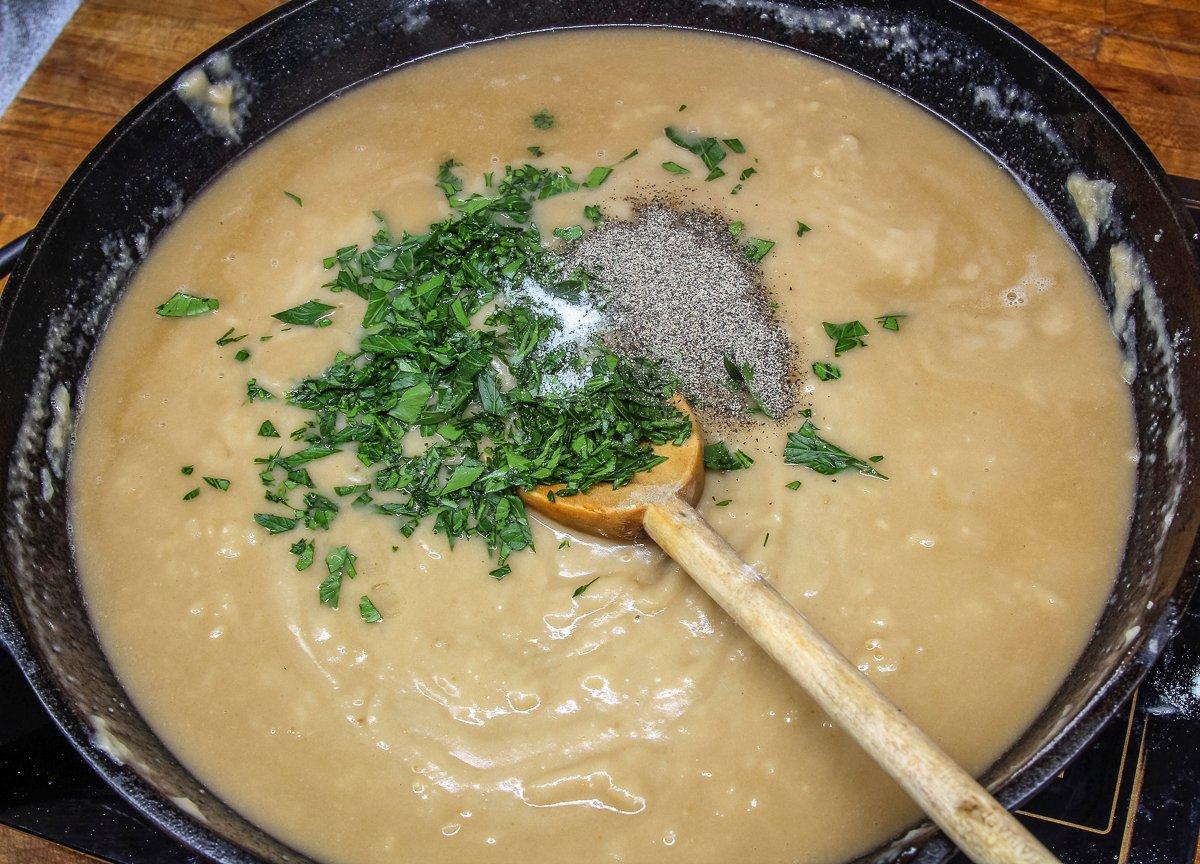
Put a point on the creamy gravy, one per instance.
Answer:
(504, 721)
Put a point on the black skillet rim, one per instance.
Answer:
(1051, 758)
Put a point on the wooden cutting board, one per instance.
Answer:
(1144, 55)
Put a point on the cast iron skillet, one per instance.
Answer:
(1012, 96)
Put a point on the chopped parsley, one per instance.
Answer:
(294, 197)
(187, 470)
(794, 485)
(536, 152)
(757, 249)
(741, 376)
(184, 305)
(318, 511)
(227, 338)
(597, 176)
(542, 119)
(582, 588)
(314, 313)
(845, 336)
(592, 213)
(826, 371)
(717, 457)
(268, 430)
(676, 168)
(273, 523)
(367, 610)
(801, 229)
(254, 391)
(217, 483)
(746, 174)
(242, 356)
(734, 144)
(572, 233)
(805, 447)
(724, 503)
(427, 362)
(305, 551)
(340, 564)
(709, 150)
(190, 495)
(891, 321)
(735, 228)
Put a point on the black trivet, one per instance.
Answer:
(1133, 797)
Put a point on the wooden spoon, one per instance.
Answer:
(660, 502)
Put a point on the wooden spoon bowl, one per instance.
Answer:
(620, 514)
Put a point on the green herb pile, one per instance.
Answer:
(444, 325)
(459, 396)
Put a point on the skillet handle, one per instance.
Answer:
(10, 252)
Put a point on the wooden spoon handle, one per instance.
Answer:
(972, 818)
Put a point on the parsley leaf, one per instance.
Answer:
(676, 168)
(757, 249)
(709, 150)
(217, 483)
(597, 176)
(845, 336)
(717, 457)
(741, 376)
(268, 430)
(543, 119)
(314, 313)
(305, 550)
(367, 610)
(890, 321)
(801, 229)
(582, 588)
(253, 391)
(295, 198)
(273, 523)
(184, 305)
(190, 495)
(319, 511)
(805, 447)
(340, 564)
(569, 234)
(826, 371)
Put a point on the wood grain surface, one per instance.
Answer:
(1144, 55)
